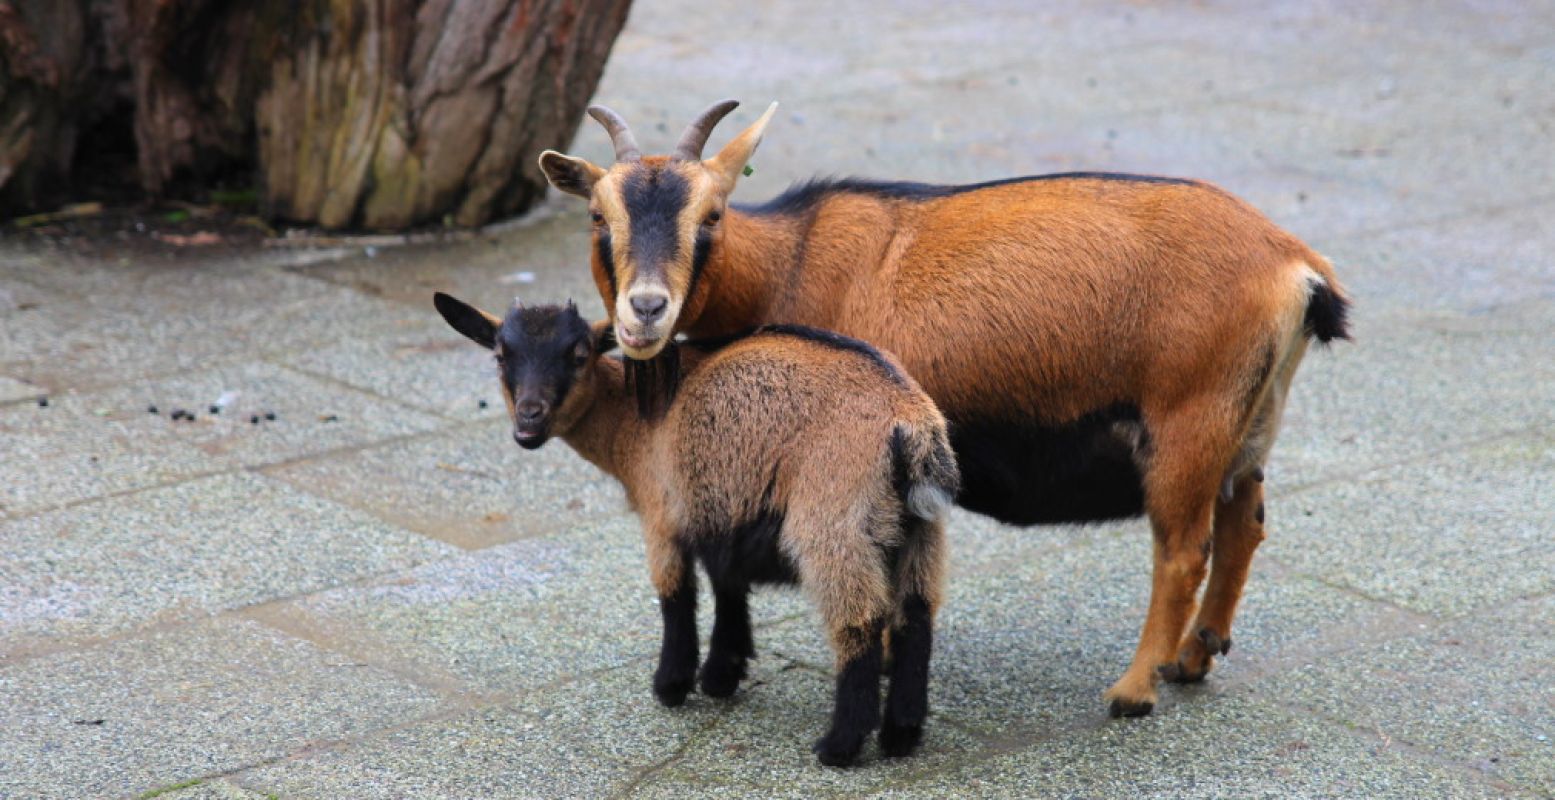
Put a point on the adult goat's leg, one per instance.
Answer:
(1238, 532)
(1181, 482)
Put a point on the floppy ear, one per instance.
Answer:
(474, 323)
(570, 174)
(603, 333)
(730, 161)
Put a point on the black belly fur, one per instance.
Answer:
(1024, 473)
(747, 555)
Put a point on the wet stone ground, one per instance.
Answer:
(375, 594)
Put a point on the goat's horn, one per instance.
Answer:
(620, 135)
(695, 138)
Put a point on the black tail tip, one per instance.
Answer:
(1327, 314)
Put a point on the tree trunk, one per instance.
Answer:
(43, 57)
(380, 114)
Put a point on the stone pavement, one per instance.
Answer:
(377, 595)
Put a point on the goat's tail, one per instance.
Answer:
(1327, 312)
(927, 478)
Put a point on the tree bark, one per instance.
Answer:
(43, 58)
(381, 114)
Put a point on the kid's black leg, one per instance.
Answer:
(907, 701)
(731, 644)
(678, 656)
(857, 710)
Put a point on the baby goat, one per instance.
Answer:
(789, 454)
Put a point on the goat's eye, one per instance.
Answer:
(598, 218)
(712, 218)
(580, 354)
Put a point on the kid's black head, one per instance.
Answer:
(542, 353)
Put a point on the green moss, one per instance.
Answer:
(170, 789)
(241, 199)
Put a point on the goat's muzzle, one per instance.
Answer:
(531, 419)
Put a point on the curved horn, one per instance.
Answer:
(620, 135)
(695, 138)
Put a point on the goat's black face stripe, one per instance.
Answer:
(699, 254)
(654, 200)
(607, 259)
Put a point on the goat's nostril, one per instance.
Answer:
(531, 411)
(650, 307)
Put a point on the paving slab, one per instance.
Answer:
(1356, 176)
(69, 353)
(425, 365)
(152, 712)
(542, 258)
(69, 346)
(1479, 692)
(1030, 648)
(140, 320)
(116, 265)
(1275, 754)
(209, 790)
(105, 441)
(1459, 169)
(312, 415)
(512, 617)
(1475, 264)
(587, 738)
(84, 446)
(1451, 84)
(13, 390)
(1446, 536)
(182, 552)
(471, 486)
(1410, 385)
(760, 746)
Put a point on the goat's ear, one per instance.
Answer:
(603, 333)
(570, 174)
(731, 160)
(474, 323)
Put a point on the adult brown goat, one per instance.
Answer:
(1103, 345)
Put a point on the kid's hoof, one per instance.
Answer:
(838, 750)
(671, 691)
(721, 674)
(898, 741)
(1129, 708)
